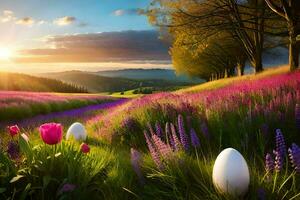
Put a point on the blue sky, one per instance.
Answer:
(98, 15)
(36, 31)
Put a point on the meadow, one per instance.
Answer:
(163, 146)
(15, 105)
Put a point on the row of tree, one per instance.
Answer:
(215, 38)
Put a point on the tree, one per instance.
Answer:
(245, 20)
(290, 11)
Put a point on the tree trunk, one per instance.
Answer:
(257, 64)
(293, 48)
(240, 68)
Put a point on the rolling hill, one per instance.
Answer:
(23, 82)
(97, 83)
(162, 74)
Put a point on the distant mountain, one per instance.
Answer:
(96, 83)
(23, 82)
(162, 74)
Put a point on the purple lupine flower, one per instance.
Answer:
(182, 134)
(294, 155)
(163, 148)
(150, 128)
(169, 136)
(135, 162)
(280, 143)
(261, 194)
(175, 138)
(154, 154)
(13, 149)
(204, 130)
(128, 123)
(194, 138)
(158, 129)
(269, 163)
(297, 115)
(278, 161)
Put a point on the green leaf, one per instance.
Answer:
(46, 181)
(25, 191)
(25, 148)
(16, 178)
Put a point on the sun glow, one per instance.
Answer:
(5, 53)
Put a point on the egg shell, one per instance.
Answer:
(78, 131)
(231, 173)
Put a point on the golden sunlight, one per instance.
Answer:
(5, 53)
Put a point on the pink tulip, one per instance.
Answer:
(51, 133)
(84, 148)
(13, 130)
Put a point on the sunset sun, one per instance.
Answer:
(5, 53)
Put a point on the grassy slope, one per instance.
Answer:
(193, 181)
(227, 81)
(97, 83)
(23, 82)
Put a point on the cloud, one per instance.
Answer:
(7, 16)
(100, 47)
(64, 21)
(25, 21)
(132, 11)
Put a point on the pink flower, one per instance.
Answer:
(51, 133)
(13, 130)
(84, 148)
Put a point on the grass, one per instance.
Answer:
(20, 105)
(242, 113)
(228, 81)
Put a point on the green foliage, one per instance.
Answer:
(22, 82)
(46, 169)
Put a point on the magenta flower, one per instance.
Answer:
(13, 130)
(84, 148)
(51, 133)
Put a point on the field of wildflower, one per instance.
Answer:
(164, 146)
(19, 105)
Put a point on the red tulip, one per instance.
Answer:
(13, 130)
(84, 148)
(51, 133)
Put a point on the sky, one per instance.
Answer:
(90, 35)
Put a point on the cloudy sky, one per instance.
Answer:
(57, 35)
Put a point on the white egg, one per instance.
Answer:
(76, 130)
(231, 173)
